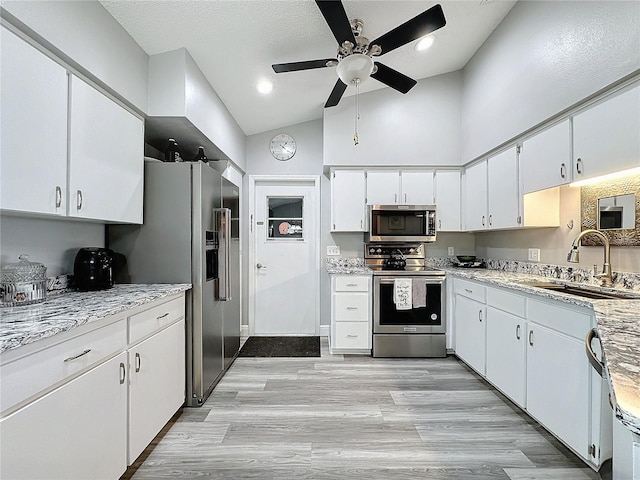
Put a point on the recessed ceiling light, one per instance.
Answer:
(425, 42)
(264, 86)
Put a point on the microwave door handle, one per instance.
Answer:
(222, 222)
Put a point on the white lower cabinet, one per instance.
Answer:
(77, 431)
(156, 385)
(549, 376)
(351, 326)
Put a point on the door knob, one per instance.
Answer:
(260, 266)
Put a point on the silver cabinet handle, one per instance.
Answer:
(405, 198)
(77, 356)
(79, 199)
(480, 315)
(260, 266)
(352, 336)
(361, 225)
(490, 219)
(593, 360)
(439, 224)
(352, 284)
(138, 362)
(352, 308)
(395, 198)
(58, 196)
(518, 332)
(468, 290)
(563, 170)
(162, 316)
(123, 373)
(519, 219)
(483, 224)
(531, 337)
(579, 166)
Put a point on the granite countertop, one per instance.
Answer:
(618, 326)
(60, 313)
(347, 266)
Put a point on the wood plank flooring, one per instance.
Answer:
(355, 417)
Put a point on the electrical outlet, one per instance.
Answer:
(333, 250)
(450, 251)
(534, 254)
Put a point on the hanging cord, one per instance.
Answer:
(355, 135)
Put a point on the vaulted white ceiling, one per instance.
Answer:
(235, 42)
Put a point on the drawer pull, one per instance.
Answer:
(123, 373)
(518, 332)
(480, 315)
(468, 290)
(531, 337)
(138, 362)
(352, 308)
(352, 336)
(58, 196)
(77, 356)
(162, 316)
(352, 284)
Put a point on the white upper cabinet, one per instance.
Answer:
(34, 129)
(400, 187)
(348, 209)
(545, 159)
(447, 193)
(475, 199)
(416, 187)
(504, 203)
(383, 187)
(606, 137)
(106, 158)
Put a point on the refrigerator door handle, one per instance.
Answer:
(222, 222)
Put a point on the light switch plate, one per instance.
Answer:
(333, 250)
(534, 254)
(450, 251)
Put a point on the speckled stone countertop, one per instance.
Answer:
(618, 325)
(24, 325)
(346, 266)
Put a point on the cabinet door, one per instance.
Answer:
(470, 332)
(606, 137)
(383, 187)
(105, 158)
(417, 187)
(76, 431)
(558, 389)
(348, 209)
(157, 385)
(34, 129)
(475, 200)
(504, 203)
(506, 353)
(447, 193)
(545, 159)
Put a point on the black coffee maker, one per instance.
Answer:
(93, 269)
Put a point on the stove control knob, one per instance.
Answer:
(378, 250)
(372, 250)
(411, 250)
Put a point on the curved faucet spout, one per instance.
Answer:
(573, 256)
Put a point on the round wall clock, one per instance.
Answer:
(283, 147)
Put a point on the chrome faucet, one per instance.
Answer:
(574, 256)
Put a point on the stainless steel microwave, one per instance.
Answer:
(402, 223)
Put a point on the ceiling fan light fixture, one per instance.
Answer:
(354, 66)
(264, 86)
(425, 43)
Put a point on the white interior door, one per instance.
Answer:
(285, 265)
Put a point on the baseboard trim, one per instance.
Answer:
(324, 330)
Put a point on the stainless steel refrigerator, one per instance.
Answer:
(190, 234)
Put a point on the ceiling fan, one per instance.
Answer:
(354, 61)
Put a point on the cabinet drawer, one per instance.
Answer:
(564, 320)
(512, 303)
(35, 373)
(351, 335)
(470, 290)
(351, 284)
(155, 318)
(351, 307)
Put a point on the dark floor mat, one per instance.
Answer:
(281, 347)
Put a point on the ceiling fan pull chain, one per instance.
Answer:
(355, 135)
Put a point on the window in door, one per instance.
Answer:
(285, 218)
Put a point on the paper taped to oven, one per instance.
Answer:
(402, 293)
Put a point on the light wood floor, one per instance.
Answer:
(355, 417)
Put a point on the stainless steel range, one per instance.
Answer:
(408, 302)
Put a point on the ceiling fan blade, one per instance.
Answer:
(419, 26)
(335, 16)
(393, 78)
(295, 66)
(336, 94)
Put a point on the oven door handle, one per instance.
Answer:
(430, 280)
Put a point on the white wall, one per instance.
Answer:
(419, 128)
(53, 243)
(89, 38)
(542, 59)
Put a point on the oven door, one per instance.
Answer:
(425, 319)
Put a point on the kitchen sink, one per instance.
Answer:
(579, 291)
